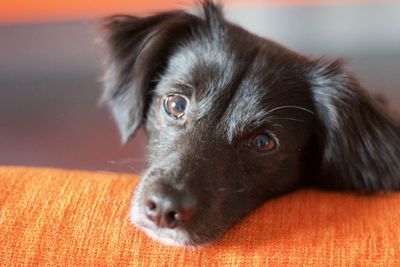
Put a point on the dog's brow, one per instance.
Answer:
(246, 112)
(184, 88)
(183, 83)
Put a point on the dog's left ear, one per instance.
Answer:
(360, 143)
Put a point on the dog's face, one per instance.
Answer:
(234, 119)
(222, 132)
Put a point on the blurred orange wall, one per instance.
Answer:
(16, 11)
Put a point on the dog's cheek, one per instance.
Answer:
(269, 176)
(137, 214)
(152, 124)
(162, 139)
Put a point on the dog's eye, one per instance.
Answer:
(175, 105)
(263, 143)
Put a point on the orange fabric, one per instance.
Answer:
(45, 10)
(69, 218)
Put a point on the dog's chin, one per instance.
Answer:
(177, 238)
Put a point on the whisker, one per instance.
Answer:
(126, 161)
(133, 169)
(286, 118)
(234, 191)
(240, 190)
(288, 106)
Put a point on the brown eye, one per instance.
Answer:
(175, 105)
(263, 143)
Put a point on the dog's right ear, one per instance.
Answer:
(360, 142)
(138, 49)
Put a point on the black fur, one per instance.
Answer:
(329, 132)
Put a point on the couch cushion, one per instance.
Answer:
(69, 218)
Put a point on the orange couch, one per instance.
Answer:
(54, 217)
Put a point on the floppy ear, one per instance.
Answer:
(360, 143)
(138, 49)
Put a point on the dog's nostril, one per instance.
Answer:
(174, 215)
(172, 219)
(151, 206)
(152, 211)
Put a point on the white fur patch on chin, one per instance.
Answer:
(175, 238)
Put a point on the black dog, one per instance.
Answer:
(233, 120)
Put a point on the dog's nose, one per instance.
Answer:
(167, 210)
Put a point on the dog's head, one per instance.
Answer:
(234, 119)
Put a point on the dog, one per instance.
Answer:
(234, 119)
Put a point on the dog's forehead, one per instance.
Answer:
(202, 63)
(232, 83)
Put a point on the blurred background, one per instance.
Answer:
(50, 67)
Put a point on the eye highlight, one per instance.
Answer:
(175, 105)
(263, 143)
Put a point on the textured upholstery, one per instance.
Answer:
(68, 218)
